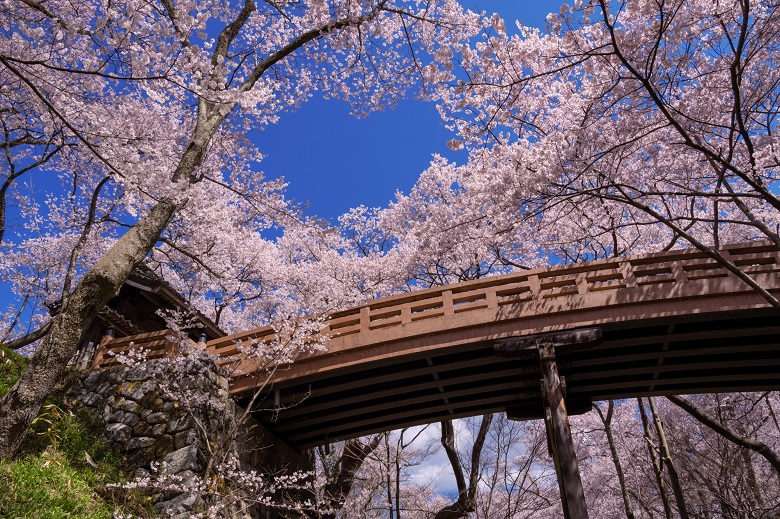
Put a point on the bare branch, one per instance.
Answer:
(756, 446)
(30, 338)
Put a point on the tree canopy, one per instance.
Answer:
(627, 127)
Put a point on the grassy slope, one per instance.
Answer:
(63, 469)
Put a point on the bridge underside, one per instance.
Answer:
(701, 353)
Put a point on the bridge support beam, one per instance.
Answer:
(559, 437)
(556, 417)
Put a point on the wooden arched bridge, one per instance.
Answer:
(674, 322)
(669, 323)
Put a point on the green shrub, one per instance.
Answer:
(11, 366)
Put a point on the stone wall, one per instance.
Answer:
(146, 425)
(158, 414)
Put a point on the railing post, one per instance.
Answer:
(447, 304)
(491, 297)
(628, 274)
(365, 318)
(581, 280)
(102, 347)
(679, 273)
(535, 285)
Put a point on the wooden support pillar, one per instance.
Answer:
(559, 440)
(559, 435)
(100, 352)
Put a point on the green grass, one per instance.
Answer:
(47, 486)
(11, 366)
(63, 469)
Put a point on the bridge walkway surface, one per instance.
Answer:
(668, 323)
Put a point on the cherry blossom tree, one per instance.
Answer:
(717, 477)
(729, 446)
(515, 479)
(158, 97)
(28, 143)
(337, 475)
(634, 127)
(629, 127)
(373, 477)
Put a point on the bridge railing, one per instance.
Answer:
(555, 282)
(157, 345)
(494, 292)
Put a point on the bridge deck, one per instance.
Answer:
(671, 323)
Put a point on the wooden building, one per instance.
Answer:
(136, 309)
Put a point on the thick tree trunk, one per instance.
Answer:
(338, 488)
(21, 405)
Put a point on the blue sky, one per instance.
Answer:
(334, 161)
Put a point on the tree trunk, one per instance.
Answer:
(752, 482)
(657, 468)
(397, 474)
(21, 405)
(679, 497)
(467, 492)
(337, 489)
(388, 477)
(607, 421)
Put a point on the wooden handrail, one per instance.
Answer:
(545, 283)
(158, 344)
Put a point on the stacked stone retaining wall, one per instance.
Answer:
(148, 424)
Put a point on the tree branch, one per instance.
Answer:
(756, 446)
(466, 502)
(29, 338)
